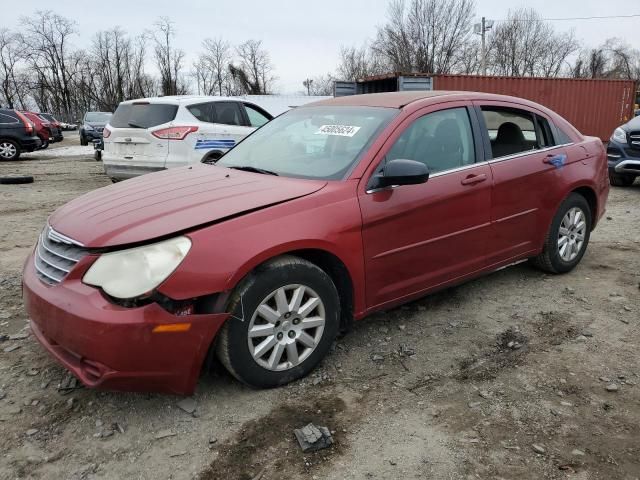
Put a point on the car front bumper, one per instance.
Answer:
(622, 159)
(112, 347)
(92, 134)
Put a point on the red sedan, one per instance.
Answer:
(322, 216)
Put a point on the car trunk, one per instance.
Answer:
(131, 138)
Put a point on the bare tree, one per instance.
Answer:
(212, 67)
(254, 73)
(13, 82)
(424, 35)
(48, 36)
(613, 59)
(169, 59)
(359, 62)
(525, 45)
(320, 85)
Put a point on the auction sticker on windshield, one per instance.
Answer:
(340, 130)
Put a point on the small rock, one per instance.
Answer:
(624, 320)
(71, 402)
(312, 438)
(18, 336)
(539, 449)
(376, 357)
(213, 440)
(570, 290)
(393, 463)
(474, 404)
(187, 405)
(33, 372)
(98, 423)
(166, 433)
(401, 327)
(178, 454)
(2, 395)
(566, 404)
(577, 452)
(11, 348)
(587, 334)
(581, 338)
(605, 379)
(627, 308)
(484, 394)
(107, 433)
(31, 432)
(612, 387)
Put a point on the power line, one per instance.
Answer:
(603, 17)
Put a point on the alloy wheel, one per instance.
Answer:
(286, 327)
(571, 234)
(7, 150)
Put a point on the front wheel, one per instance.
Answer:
(45, 145)
(83, 140)
(568, 236)
(285, 315)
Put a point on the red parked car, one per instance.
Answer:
(46, 131)
(322, 216)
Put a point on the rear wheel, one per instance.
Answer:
(9, 150)
(285, 316)
(212, 158)
(621, 180)
(568, 236)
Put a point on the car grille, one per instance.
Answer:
(99, 129)
(634, 140)
(55, 256)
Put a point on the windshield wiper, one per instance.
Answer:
(247, 168)
(134, 125)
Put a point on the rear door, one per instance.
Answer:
(527, 174)
(131, 141)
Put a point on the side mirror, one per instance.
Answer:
(400, 172)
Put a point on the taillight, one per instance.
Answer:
(27, 124)
(174, 133)
(106, 133)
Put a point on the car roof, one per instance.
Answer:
(402, 99)
(186, 99)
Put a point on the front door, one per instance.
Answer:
(417, 237)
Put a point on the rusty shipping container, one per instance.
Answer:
(595, 107)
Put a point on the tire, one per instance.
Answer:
(83, 140)
(621, 180)
(16, 179)
(45, 145)
(555, 260)
(97, 155)
(9, 150)
(287, 274)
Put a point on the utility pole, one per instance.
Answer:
(481, 29)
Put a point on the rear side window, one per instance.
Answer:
(143, 115)
(513, 131)
(8, 118)
(227, 113)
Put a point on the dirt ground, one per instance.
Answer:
(457, 385)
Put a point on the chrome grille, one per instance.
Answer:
(634, 140)
(56, 255)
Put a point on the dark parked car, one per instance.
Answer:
(17, 135)
(623, 154)
(324, 215)
(57, 126)
(92, 126)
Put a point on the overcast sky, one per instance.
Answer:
(304, 38)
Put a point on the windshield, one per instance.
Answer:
(97, 117)
(311, 142)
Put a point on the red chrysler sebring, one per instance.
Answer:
(322, 216)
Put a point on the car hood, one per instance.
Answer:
(633, 124)
(172, 201)
(96, 124)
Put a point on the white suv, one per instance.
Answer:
(153, 134)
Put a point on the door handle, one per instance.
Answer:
(557, 160)
(473, 179)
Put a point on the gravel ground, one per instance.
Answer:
(514, 375)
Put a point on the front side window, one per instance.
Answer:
(311, 142)
(512, 131)
(256, 118)
(441, 140)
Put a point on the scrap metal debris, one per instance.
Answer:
(312, 438)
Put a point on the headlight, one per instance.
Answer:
(136, 271)
(619, 135)
(88, 127)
